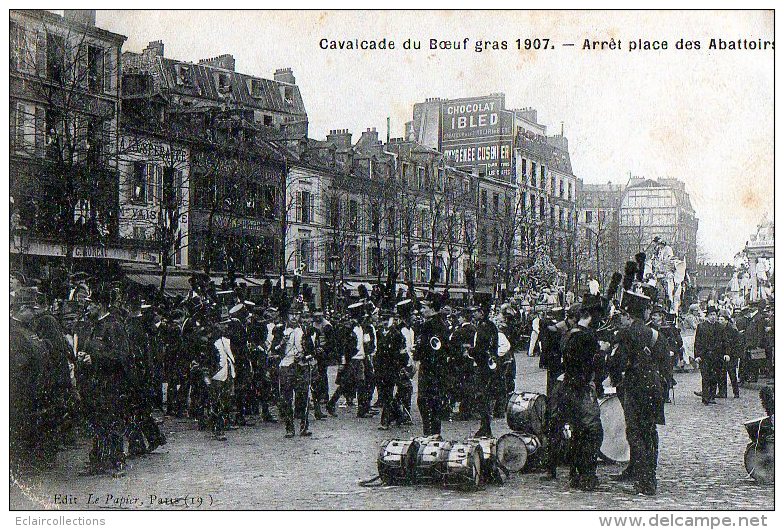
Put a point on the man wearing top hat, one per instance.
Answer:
(708, 348)
(731, 352)
(640, 389)
(431, 352)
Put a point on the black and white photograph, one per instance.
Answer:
(361, 260)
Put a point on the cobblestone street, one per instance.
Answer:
(700, 467)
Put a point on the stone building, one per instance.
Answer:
(243, 131)
(597, 218)
(368, 213)
(64, 114)
(517, 163)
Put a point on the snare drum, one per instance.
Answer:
(397, 461)
(515, 449)
(614, 447)
(489, 447)
(464, 465)
(526, 412)
(432, 457)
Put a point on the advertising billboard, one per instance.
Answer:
(477, 133)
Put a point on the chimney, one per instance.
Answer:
(285, 75)
(154, 49)
(80, 16)
(369, 138)
(340, 138)
(225, 61)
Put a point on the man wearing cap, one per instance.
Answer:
(484, 351)
(578, 399)
(708, 347)
(294, 378)
(221, 367)
(431, 352)
(391, 357)
(640, 389)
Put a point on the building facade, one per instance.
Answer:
(243, 132)
(515, 161)
(597, 218)
(64, 115)
(657, 208)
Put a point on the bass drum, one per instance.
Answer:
(759, 462)
(515, 450)
(464, 465)
(432, 457)
(614, 447)
(397, 461)
(526, 412)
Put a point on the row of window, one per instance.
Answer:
(538, 180)
(378, 261)
(50, 55)
(46, 133)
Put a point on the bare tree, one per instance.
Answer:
(67, 129)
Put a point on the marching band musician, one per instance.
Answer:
(294, 378)
(391, 358)
(484, 351)
(404, 390)
(639, 351)
(221, 383)
(311, 344)
(460, 342)
(579, 397)
(431, 352)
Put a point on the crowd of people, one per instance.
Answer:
(102, 364)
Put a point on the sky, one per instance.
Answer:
(702, 116)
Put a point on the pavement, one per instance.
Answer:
(700, 467)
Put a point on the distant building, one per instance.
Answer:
(657, 208)
(597, 219)
(511, 154)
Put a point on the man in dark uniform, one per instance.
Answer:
(579, 398)
(731, 352)
(238, 335)
(460, 344)
(640, 390)
(667, 362)
(484, 352)
(324, 351)
(708, 343)
(108, 388)
(431, 352)
(391, 357)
